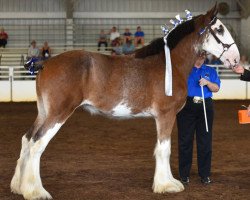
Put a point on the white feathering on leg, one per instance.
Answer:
(163, 179)
(15, 182)
(31, 184)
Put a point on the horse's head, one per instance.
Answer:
(216, 38)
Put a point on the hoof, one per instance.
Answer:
(171, 186)
(41, 194)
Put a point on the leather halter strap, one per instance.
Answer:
(225, 46)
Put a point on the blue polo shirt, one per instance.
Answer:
(139, 34)
(194, 88)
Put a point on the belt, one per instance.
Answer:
(197, 99)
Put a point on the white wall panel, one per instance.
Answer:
(32, 5)
(26, 90)
(148, 5)
(232, 89)
(5, 91)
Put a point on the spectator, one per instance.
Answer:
(127, 36)
(117, 50)
(139, 37)
(102, 40)
(128, 47)
(113, 35)
(33, 51)
(3, 38)
(46, 51)
(244, 61)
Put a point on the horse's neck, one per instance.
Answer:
(184, 56)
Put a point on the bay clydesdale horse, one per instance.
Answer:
(120, 86)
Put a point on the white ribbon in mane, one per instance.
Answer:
(166, 31)
(168, 72)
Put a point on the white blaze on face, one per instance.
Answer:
(231, 56)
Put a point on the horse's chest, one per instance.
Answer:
(121, 110)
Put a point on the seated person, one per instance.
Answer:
(113, 35)
(33, 51)
(33, 58)
(127, 35)
(139, 37)
(3, 38)
(117, 50)
(46, 51)
(102, 40)
(128, 47)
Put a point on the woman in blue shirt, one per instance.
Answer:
(191, 120)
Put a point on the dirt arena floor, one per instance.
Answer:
(94, 158)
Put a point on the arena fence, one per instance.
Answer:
(17, 84)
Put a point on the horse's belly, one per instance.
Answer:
(121, 110)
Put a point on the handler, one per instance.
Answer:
(245, 76)
(191, 119)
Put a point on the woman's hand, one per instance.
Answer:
(204, 82)
(248, 111)
(238, 69)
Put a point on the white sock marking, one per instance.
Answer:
(163, 179)
(15, 182)
(31, 184)
(162, 155)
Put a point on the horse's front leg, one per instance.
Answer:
(163, 178)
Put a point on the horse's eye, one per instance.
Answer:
(220, 30)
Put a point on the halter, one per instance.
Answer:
(225, 46)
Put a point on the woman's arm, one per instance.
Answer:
(213, 87)
(245, 74)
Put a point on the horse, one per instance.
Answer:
(120, 87)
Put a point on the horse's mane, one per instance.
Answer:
(174, 37)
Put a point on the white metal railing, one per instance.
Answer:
(17, 84)
(224, 72)
(19, 73)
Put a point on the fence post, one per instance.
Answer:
(69, 34)
(11, 73)
(29, 33)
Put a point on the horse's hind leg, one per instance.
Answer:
(26, 180)
(15, 182)
(31, 185)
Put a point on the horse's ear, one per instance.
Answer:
(211, 13)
